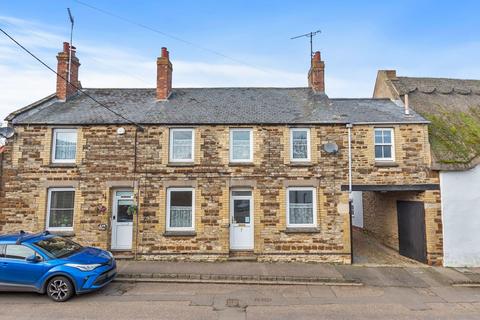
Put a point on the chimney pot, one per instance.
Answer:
(66, 47)
(165, 53)
(316, 56)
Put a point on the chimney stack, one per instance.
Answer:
(164, 75)
(316, 75)
(64, 89)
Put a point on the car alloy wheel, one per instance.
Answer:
(59, 289)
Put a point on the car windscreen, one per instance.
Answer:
(58, 247)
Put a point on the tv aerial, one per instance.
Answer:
(309, 35)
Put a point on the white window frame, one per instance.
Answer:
(49, 200)
(308, 158)
(170, 151)
(392, 144)
(54, 145)
(250, 131)
(192, 227)
(314, 207)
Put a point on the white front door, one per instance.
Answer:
(122, 220)
(241, 217)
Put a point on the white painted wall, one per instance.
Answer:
(461, 217)
(357, 220)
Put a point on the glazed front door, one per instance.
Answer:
(241, 220)
(122, 220)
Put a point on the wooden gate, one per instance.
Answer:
(411, 230)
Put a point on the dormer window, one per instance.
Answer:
(64, 147)
(384, 144)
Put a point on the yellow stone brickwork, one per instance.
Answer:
(106, 161)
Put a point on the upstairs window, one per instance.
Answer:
(180, 209)
(299, 144)
(181, 145)
(384, 146)
(64, 148)
(301, 207)
(241, 145)
(60, 209)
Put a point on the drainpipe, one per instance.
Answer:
(350, 211)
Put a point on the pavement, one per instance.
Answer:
(295, 273)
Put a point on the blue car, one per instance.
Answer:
(50, 264)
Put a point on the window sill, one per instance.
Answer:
(241, 164)
(386, 163)
(179, 234)
(300, 163)
(63, 165)
(62, 233)
(302, 230)
(181, 164)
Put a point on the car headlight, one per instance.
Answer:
(83, 267)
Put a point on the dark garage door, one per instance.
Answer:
(411, 230)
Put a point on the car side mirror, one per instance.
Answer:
(33, 258)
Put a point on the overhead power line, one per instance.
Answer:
(76, 87)
(168, 35)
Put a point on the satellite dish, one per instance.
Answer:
(330, 148)
(7, 132)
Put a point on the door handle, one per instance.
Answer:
(113, 218)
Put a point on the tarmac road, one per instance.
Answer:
(431, 300)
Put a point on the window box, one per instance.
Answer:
(300, 145)
(64, 146)
(384, 144)
(60, 209)
(301, 207)
(182, 145)
(241, 145)
(180, 209)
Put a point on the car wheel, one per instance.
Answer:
(60, 289)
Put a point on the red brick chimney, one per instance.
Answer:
(64, 89)
(164, 75)
(316, 75)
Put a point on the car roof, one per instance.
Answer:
(23, 237)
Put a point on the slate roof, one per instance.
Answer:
(212, 106)
(453, 106)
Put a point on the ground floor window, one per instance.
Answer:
(180, 209)
(301, 207)
(60, 209)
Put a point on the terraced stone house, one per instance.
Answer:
(211, 173)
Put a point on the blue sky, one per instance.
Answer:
(418, 38)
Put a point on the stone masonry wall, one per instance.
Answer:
(106, 161)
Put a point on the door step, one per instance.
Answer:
(123, 255)
(242, 255)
